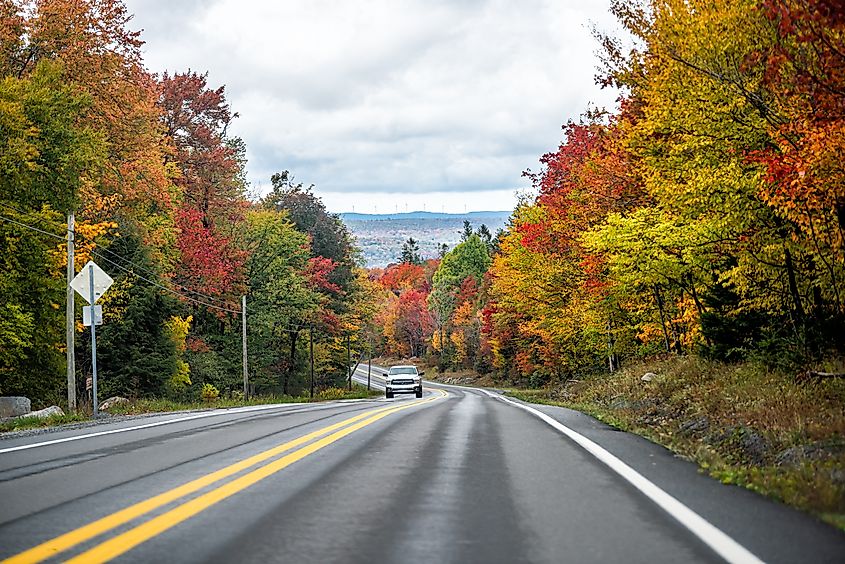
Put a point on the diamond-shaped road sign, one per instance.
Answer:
(82, 282)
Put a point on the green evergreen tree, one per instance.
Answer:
(410, 252)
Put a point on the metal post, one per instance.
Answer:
(246, 373)
(93, 301)
(369, 367)
(70, 321)
(348, 363)
(311, 334)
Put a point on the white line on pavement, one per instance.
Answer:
(718, 541)
(150, 425)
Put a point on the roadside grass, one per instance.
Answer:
(743, 424)
(22, 423)
(161, 405)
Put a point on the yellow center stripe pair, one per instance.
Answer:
(145, 531)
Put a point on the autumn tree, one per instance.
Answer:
(196, 119)
(331, 270)
(466, 263)
(47, 156)
(721, 136)
(280, 295)
(100, 56)
(403, 320)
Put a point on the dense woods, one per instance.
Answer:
(703, 216)
(157, 185)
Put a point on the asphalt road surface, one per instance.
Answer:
(457, 476)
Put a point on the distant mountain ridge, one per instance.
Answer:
(354, 216)
(381, 236)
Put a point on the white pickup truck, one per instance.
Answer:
(403, 380)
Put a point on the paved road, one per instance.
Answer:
(458, 476)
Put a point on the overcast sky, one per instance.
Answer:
(390, 105)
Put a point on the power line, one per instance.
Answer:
(133, 273)
(103, 249)
(165, 288)
(11, 207)
(151, 272)
(24, 225)
(121, 267)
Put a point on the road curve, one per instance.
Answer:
(458, 476)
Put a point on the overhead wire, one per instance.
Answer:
(132, 272)
(121, 267)
(179, 288)
(26, 226)
(156, 284)
(79, 235)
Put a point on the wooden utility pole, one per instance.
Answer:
(69, 318)
(311, 334)
(348, 362)
(246, 372)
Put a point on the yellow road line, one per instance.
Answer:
(72, 538)
(124, 542)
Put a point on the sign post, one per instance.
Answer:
(91, 283)
(92, 301)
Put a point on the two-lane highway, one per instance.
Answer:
(457, 476)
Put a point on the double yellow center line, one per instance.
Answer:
(147, 530)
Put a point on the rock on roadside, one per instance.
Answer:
(648, 377)
(111, 402)
(14, 406)
(45, 413)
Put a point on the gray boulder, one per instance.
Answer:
(47, 412)
(111, 402)
(14, 406)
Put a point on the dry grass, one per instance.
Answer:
(741, 423)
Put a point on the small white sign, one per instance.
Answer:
(82, 281)
(86, 315)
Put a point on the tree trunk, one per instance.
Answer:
(662, 311)
(698, 306)
(291, 362)
(793, 288)
(840, 219)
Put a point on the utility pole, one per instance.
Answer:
(311, 334)
(246, 372)
(348, 362)
(369, 367)
(69, 317)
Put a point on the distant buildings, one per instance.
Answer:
(381, 237)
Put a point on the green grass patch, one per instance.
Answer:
(21, 423)
(743, 424)
(159, 405)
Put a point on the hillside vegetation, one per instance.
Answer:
(703, 223)
(157, 185)
(741, 423)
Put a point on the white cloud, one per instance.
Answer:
(387, 98)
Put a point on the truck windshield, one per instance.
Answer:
(403, 370)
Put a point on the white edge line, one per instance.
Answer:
(718, 541)
(149, 425)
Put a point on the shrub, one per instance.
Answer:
(209, 392)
